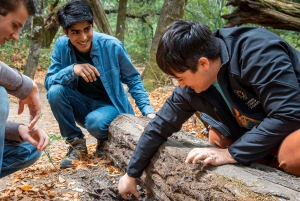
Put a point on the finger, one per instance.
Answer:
(21, 107)
(84, 76)
(89, 74)
(190, 157)
(137, 195)
(92, 72)
(209, 160)
(33, 121)
(96, 72)
(126, 196)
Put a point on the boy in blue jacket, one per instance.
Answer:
(85, 81)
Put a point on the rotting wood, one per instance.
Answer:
(278, 14)
(169, 178)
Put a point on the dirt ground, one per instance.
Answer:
(92, 179)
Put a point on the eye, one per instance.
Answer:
(179, 79)
(15, 26)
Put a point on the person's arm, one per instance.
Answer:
(267, 68)
(58, 73)
(131, 77)
(12, 131)
(175, 111)
(23, 88)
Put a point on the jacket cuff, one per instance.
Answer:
(12, 132)
(148, 110)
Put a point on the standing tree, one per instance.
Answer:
(172, 10)
(100, 16)
(36, 40)
(121, 21)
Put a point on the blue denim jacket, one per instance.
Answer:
(113, 63)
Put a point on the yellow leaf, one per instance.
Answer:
(26, 188)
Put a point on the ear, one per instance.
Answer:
(65, 32)
(204, 63)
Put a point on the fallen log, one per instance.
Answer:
(278, 14)
(169, 178)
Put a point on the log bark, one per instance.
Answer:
(278, 14)
(169, 178)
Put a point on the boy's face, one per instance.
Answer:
(11, 24)
(201, 80)
(81, 36)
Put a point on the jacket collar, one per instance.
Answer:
(224, 53)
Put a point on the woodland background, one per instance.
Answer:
(139, 24)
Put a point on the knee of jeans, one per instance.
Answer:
(96, 128)
(4, 103)
(55, 92)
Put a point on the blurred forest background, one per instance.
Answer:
(139, 25)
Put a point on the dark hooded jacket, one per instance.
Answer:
(259, 76)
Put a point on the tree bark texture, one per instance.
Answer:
(168, 178)
(278, 14)
(36, 41)
(100, 17)
(121, 21)
(171, 11)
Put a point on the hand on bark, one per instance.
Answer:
(37, 137)
(213, 156)
(34, 105)
(88, 72)
(127, 187)
(151, 115)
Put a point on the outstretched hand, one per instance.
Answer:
(127, 188)
(213, 156)
(34, 105)
(37, 137)
(88, 72)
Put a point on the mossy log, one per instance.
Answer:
(167, 177)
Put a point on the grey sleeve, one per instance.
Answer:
(11, 131)
(14, 82)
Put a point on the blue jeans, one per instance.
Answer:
(70, 107)
(13, 155)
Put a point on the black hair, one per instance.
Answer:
(74, 12)
(7, 6)
(183, 44)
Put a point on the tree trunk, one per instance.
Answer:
(172, 10)
(100, 17)
(36, 41)
(169, 178)
(121, 21)
(51, 27)
(278, 14)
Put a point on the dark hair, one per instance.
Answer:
(183, 44)
(7, 6)
(74, 12)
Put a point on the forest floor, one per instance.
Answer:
(45, 181)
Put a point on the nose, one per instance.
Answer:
(15, 36)
(83, 37)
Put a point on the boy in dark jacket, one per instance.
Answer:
(244, 81)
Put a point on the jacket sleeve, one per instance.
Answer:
(12, 132)
(57, 73)
(14, 82)
(131, 77)
(169, 119)
(267, 67)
